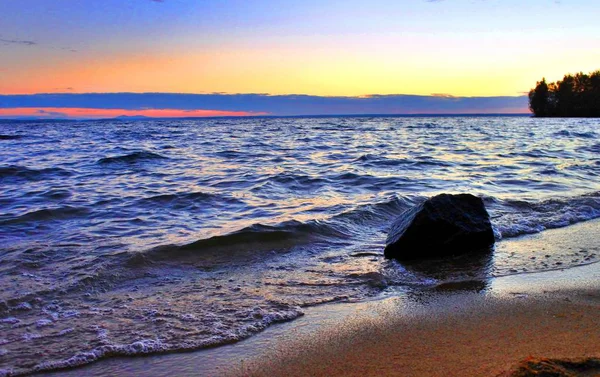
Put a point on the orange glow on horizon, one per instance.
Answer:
(298, 70)
(60, 112)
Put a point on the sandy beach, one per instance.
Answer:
(462, 329)
(458, 329)
(453, 335)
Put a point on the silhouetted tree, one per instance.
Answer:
(538, 99)
(574, 96)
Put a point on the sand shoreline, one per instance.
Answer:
(460, 334)
(460, 330)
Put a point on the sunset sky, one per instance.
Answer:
(458, 48)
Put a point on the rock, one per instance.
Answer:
(441, 226)
(539, 367)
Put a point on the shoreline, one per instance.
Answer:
(453, 330)
(448, 334)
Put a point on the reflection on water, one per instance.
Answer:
(467, 267)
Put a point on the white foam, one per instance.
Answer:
(10, 320)
(22, 306)
(43, 323)
(69, 314)
(188, 317)
(30, 336)
(266, 318)
(513, 219)
(261, 317)
(66, 331)
(144, 346)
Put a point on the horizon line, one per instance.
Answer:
(266, 94)
(383, 115)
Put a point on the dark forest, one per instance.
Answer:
(573, 96)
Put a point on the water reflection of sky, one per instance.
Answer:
(274, 170)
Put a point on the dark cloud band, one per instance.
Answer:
(272, 104)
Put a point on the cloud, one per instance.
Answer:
(67, 49)
(17, 42)
(292, 104)
(23, 42)
(51, 114)
(443, 95)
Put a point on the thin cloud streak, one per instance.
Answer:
(17, 42)
(21, 42)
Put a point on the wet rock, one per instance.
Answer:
(441, 226)
(532, 366)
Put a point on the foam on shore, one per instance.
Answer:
(482, 327)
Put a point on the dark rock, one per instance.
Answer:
(441, 226)
(542, 367)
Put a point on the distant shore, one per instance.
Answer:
(452, 330)
(318, 116)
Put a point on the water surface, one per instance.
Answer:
(122, 237)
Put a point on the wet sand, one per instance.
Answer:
(461, 334)
(467, 329)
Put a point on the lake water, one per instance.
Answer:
(129, 237)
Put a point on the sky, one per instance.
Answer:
(449, 51)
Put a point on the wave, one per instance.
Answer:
(131, 158)
(382, 161)
(48, 214)
(377, 215)
(513, 218)
(188, 199)
(10, 137)
(298, 180)
(568, 133)
(21, 172)
(424, 125)
(260, 238)
(369, 223)
(57, 194)
(592, 148)
(254, 239)
(510, 218)
(262, 318)
(231, 154)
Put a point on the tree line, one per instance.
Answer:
(574, 96)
